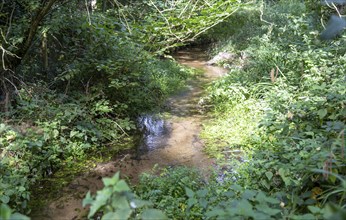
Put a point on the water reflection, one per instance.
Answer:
(154, 132)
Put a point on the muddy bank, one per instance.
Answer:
(167, 141)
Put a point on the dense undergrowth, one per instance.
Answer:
(98, 81)
(284, 107)
(277, 128)
(278, 116)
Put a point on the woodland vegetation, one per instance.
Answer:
(75, 75)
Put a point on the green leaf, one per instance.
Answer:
(5, 199)
(18, 216)
(111, 181)
(304, 217)
(189, 192)
(269, 175)
(138, 203)
(214, 213)
(100, 200)
(88, 199)
(314, 209)
(282, 173)
(5, 211)
(202, 193)
(244, 208)
(152, 214)
(121, 186)
(267, 210)
(191, 202)
(248, 194)
(118, 214)
(322, 113)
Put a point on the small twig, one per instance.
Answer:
(262, 13)
(14, 86)
(88, 12)
(166, 20)
(337, 10)
(118, 4)
(10, 21)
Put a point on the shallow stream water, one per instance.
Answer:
(166, 141)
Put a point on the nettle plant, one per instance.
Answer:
(116, 201)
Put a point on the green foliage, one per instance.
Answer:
(163, 26)
(62, 132)
(176, 192)
(97, 82)
(7, 214)
(116, 201)
(291, 93)
(167, 192)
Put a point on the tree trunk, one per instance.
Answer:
(8, 78)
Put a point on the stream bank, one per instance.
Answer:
(166, 141)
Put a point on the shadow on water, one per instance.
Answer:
(164, 142)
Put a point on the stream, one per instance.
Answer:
(166, 141)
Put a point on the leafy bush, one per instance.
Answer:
(63, 131)
(116, 201)
(293, 84)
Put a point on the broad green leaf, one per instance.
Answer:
(248, 194)
(111, 181)
(5, 211)
(189, 192)
(244, 208)
(269, 175)
(18, 216)
(215, 212)
(100, 200)
(152, 214)
(138, 203)
(121, 186)
(304, 217)
(191, 202)
(119, 214)
(282, 173)
(202, 193)
(5, 199)
(120, 202)
(267, 210)
(88, 199)
(314, 209)
(322, 113)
